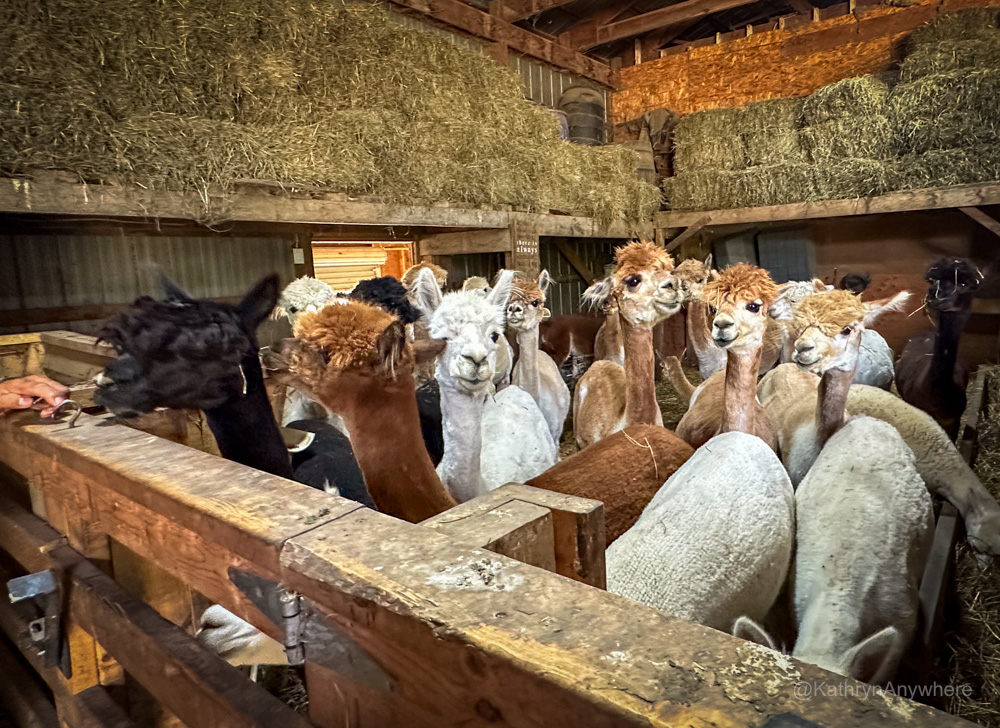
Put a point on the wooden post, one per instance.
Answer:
(524, 251)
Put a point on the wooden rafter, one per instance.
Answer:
(983, 219)
(590, 34)
(514, 10)
(583, 29)
(468, 19)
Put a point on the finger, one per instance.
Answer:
(52, 392)
(14, 400)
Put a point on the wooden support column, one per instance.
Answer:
(524, 251)
(576, 262)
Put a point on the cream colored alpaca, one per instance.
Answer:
(418, 331)
(534, 371)
(825, 330)
(740, 297)
(610, 397)
(488, 440)
(505, 353)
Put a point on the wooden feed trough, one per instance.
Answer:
(488, 614)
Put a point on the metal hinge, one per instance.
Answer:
(45, 629)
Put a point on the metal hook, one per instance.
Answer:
(76, 415)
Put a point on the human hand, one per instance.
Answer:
(34, 392)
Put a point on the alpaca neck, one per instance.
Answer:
(244, 426)
(831, 406)
(386, 438)
(462, 425)
(525, 374)
(697, 328)
(641, 407)
(740, 390)
(946, 340)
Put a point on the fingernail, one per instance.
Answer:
(60, 400)
(24, 401)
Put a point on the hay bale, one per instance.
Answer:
(851, 178)
(830, 141)
(947, 110)
(947, 56)
(945, 167)
(709, 139)
(706, 190)
(337, 95)
(962, 24)
(771, 132)
(780, 184)
(857, 98)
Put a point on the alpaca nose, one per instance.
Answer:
(477, 360)
(802, 346)
(515, 309)
(722, 324)
(103, 380)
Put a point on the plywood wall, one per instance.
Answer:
(789, 62)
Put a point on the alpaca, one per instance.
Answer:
(534, 371)
(740, 297)
(424, 373)
(859, 556)
(609, 344)
(489, 440)
(610, 397)
(829, 327)
(570, 335)
(505, 352)
(928, 373)
(856, 283)
(691, 276)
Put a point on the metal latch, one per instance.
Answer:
(45, 630)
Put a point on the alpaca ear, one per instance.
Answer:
(501, 290)
(546, 314)
(425, 350)
(259, 302)
(172, 291)
(596, 296)
(708, 262)
(869, 660)
(391, 345)
(819, 286)
(272, 361)
(543, 281)
(875, 309)
(747, 629)
(426, 292)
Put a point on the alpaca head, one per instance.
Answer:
(526, 306)
(828, 328)
(303, 295)
(181, 353)
(339, 353)
(738, 300)
(409, 278)
(953, 281)
(856, 283)
(387, 293)
(690, 277)
(642, 288)
(476, 283)
(791, 294)
(471, 324)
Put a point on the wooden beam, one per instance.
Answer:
(465, 243)
(689, 233)
(938, 198)
(468, 19)
(21, 697)
(578, 263)
(584, 38)
(46, 193)
(983, 219)
(514, 10)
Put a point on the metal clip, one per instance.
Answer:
(291, 617)
(76, 415)
(45, 631)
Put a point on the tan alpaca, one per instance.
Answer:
(424, 371)
(534, 371)
(740, 297)
(825, 333)
(610, 397)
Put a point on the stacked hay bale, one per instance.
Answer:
(947, 105)
(201, 94)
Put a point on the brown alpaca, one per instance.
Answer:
(569, 335)
(727, 401)
(611, 397)
(355, 360)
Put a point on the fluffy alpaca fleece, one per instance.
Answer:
(637, 258)
(691, 271)
(348, 342)
(236, 641)
(716, 540)
(302, 295)
(743, 282)
(411, 273)
(829, 312)
(387, 293)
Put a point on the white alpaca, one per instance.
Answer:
(505, 353)
(534, 371)
(237, 641)
(488, 440)
(716, 540)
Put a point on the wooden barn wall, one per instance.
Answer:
(567, 285)
(540, 83)
(71, 271)
(789, 62)
(460, 267)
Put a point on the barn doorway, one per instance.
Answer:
(342, 263)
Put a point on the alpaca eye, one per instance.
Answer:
(293, 309)
(633, 281)
(535, 303)
(494, 337)
(846, 331)
(712, 310)
(753, 307)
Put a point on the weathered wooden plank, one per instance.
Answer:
(688, 233)
(929, 199)
(22, 698)
(464, 243)
(514, 10)
(578, 263)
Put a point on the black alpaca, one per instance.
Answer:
(928, 373)
(856, 283)
(182, 353)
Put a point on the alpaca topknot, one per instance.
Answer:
(301, 293)
(389, 294)
(742, 282)
(348, 334)
(410, 276)
(525, 289)
(830, 312)
(464, 307)
(691, 270)
(198, 330)
(949, 268)
(640, 258)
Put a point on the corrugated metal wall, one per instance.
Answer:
(55, 271)
(567, 285)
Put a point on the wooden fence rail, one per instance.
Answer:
(404, 624)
